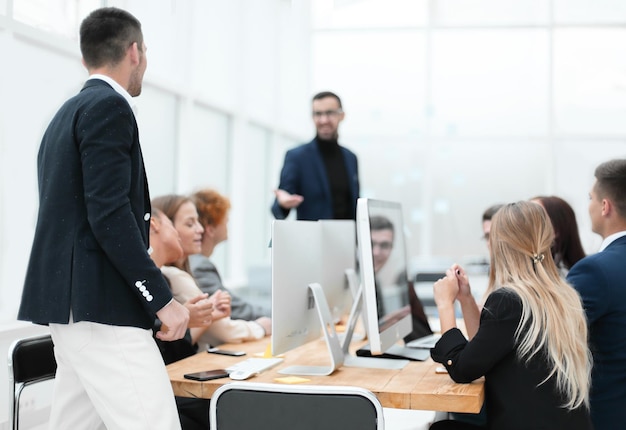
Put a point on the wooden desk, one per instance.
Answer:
(416, 386)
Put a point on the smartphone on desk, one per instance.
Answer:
(207, 375)
(216, 350)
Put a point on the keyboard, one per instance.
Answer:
(425, 342)
(251, 366)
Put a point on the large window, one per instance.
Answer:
(453, 106)
(60, 17)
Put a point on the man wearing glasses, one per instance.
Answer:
(320, 178)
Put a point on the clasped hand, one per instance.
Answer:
(454, 286)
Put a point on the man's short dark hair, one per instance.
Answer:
(324, 94)
(379, 222)
(491, 211)
(106, 34)
(611, 183)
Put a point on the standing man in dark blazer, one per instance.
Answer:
(320, 179)
(601, 281)
(90, 276)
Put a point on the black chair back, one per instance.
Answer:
(248, 405)
(31, 360)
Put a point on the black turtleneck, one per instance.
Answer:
(337, 178)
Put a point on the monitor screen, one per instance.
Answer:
(383, 269)
(306, 252)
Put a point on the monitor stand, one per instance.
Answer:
(332, 340)
(373, 362)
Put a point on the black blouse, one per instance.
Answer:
(515, 397)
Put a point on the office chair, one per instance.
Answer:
(250, 405)
(31, 360)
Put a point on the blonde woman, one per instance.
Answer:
(530, 339)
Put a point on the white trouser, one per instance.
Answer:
(109, 377)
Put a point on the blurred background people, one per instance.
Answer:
(382, 234)
(183, 213)
(567, 248)
(487, 215)
(213, 209)
(166, 246)
(319, 179)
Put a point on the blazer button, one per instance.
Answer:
(149, 298)
(449, 362)
(146, 217)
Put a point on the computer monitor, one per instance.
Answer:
(339, 257)
(312, 262)
(383, 274)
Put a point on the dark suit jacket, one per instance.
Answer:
(304, 173)
(89, 253)
(515, 398)
(601, 281)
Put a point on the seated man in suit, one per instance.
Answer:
(213, 210)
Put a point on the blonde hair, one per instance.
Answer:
(553, 322)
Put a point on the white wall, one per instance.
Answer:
(31, 95)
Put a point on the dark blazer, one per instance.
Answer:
(600, 280)
(515, 397)
(304, 173)
(89, 253)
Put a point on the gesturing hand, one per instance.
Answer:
(200, 311)
(221, 304)
(286, 200)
